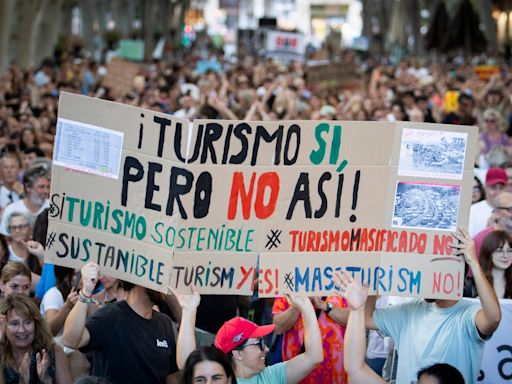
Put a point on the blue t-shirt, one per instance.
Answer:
(275, 374)
(426, 334)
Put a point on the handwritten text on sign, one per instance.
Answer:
(188, 199)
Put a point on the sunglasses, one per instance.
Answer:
(490, 120)
(260, 343)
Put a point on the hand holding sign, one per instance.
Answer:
(351, 289)
(299, 302)
(90, 274)
(188, 302)
(465, 246)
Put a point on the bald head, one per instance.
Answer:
(503, 211)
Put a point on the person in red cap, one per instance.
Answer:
(479, 215)
(242, 341)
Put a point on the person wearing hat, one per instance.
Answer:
(501, 219)
(242, 341)
(495, 182)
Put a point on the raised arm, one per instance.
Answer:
(56, 318)
(355, 336)
(298, 367)
(488, 318)
(285, 320)
(186, 342)
(339, 315)
(75, 333)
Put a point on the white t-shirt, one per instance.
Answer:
(479, 216)
(52, 299)
(7, 197)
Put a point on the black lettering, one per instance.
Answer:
(301, 193)
(320, 212)
(293, 130)
(129, 163)
(163, 125)
(151, 186)
(204, 188)
(262, 133)
(213, 133)
(240, 157)
(176, 189)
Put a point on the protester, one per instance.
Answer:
(112, 290)
(493, 131)
(11, 188)
(36, 183)
(478, 191)
(53, 306)
(141, 350)
(330, 313)
(27, 351)
(242, 341)
(4, 252)
(453, 332)
(20, 248)
(496, 261)
(15, 279)
(479, 214)
(501, 219)
(208, 365)
(358, 371)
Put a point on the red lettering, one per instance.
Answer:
(266, 180)
(238, 189)
(441, 246)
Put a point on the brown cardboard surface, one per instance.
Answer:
(120, 74)
(371, 193)
(225, 273)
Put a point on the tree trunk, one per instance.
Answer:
(150, 11)
(24, 32)
(88, 22)
(484, 9)
(48, 31)
(414, 20)
(123, 14)
(6, 15)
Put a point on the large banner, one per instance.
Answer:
(233, 206)
(497, 362)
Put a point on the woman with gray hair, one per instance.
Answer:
(21, 248)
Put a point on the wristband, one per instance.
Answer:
(81, 293)
(329, 307)
(86, 300)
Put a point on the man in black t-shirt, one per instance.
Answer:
(133, 343)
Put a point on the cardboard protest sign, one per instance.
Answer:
(214, 272)
(341, 74)
(110, 187)
(497, 361)
(120, 74)
(131, 188)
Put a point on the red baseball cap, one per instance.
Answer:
(235, 331)
(496, 175)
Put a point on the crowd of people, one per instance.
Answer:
(58, 325)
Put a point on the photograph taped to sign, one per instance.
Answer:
(437, 154)
(88, 148)
(426, 206)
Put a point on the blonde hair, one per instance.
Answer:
(500, 122)
(24, 307)
(13, 269)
